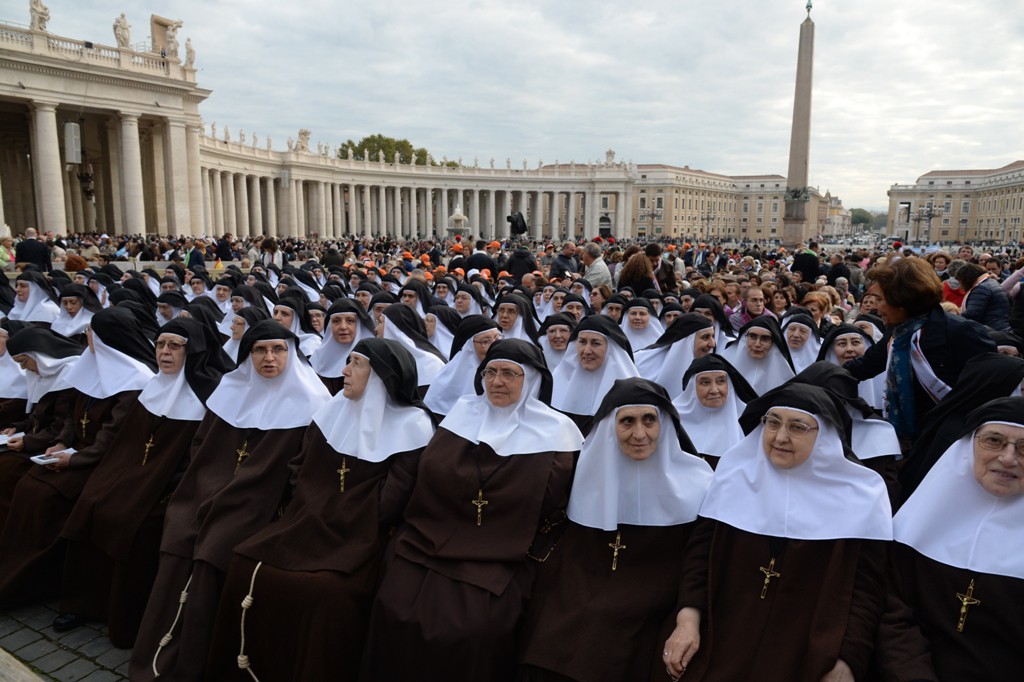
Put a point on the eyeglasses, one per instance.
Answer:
(275, 351)
(997, 442)
(170, 345)
(795, 429)
(506, 375)
(485, 342)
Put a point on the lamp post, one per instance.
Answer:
(925, 214)
(707, 218)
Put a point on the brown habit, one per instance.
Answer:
(453, 592)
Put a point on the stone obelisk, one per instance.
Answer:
(796, 226)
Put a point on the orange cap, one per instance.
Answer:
(457, 247)
(503, 274)
(406, 254)
(494, 245)
(460, 271)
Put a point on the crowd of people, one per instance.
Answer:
(463, 459)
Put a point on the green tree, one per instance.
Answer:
(371, 146)
(881, 220)
(860, 216)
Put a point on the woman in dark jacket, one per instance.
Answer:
(985, 302)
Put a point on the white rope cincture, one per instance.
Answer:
(166, 639)
(243, 660)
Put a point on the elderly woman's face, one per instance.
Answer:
(284, 315)
(592, 348)
(638, 318)
(788, 437)
(22, 291)
(797, 335)
(71, 304)
(503, 382)
(712, 389)
(848, 347)
(999, 459)
(614, 311)
(637, 429)
(356, 375)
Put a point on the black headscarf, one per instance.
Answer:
(602, 324)
(144, 292)
(716, 363)
(556, 320)
(85, 294)
(39, 279)
(298, 306)
(771, 325)
(119, 328)
(7, 296)
(522, 352)
(639, 391)
(812, 399)
(446, 316)
(205, 360)
(173, 299)
(411, 324)
(526, 312)
(348, 305)
(396, 367)
(471, 326)
(35, 339)
(145, 316)
(685, 325)
(209, 304)
(266, 330)
(715, 306)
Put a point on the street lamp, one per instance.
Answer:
(707, 218)
(925, 214)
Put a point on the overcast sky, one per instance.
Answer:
(901, 87)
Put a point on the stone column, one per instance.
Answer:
(242, 204)
(154, 178)
(555, 211)
(271, 208)
(291, 195)
(443, 211)
(231, 223)
(486, 227)
(73, 201)
(195, 182)
(217, 204)
(367, 223)
(339, 210)
(538, 216)
(571, 216)
(590, 215)
(382, 211)
(46, 164)
(620, 203)
(506, 208)
(353, 215)
(115, 208)
(396, 197)
(131, 175)
(301, 209)
(428, 210)
(328, 199)
(627, 210)
(177, 179)
(256, 207)
(474, 212)
(414, 214)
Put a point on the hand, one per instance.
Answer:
(64, 461)
(9, 431)
(683, 643)
(15, 444)
(56, 447)
(839, 673)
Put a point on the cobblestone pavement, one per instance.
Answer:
(84, 653)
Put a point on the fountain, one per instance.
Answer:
(457, 223)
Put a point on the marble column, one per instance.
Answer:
(620, 203)
(292, 198)
(627, 210)
(271, 208)
(367, 222)
(428, 210)
(506, 208)
(353, 216)
(73, 202)
(555, 213)
(52, 208)
(176, 175)
(231, 223)
(195, 183)
(114, 210)
(571, 216)
(256, 207)
(301, 209)
(396, 198)
(131, 175)
(474, 212)
(414, 215)
(206, 225)
(443, 212)
(155, 186)
(242, 205)
(339, 210)
(486, 227)
(590, 216)
(538, 217)
(217, 202)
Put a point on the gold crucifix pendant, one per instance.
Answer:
(769, 573)
(966, 601)
(83, 422)
(479, 503)
(145, 455)
(616, 546)
(242, 455)
(341, 474)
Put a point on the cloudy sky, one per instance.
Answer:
(901, 87)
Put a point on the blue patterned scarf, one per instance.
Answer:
(899, 382)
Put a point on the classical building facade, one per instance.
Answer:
(960, 205)
(110, 138)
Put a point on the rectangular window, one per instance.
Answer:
(760, 220)
(604, 202)
(760, 207)
(965, 206)
(643, 203)
(746, 207)
(775, 220)
(775, 207)
(947, 207)
(945, 221)
(659, 202)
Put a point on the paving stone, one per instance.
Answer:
(122, 669)
(115, 657)
(77, 637)
(19, 638)
(54, 661)
(26, 612)
(95, 648)
(77, 670)
(103, 676)
(8, 625)
(38, 622)
(35, 650)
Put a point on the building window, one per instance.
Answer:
(604, 202)
(659, 203)
(945, 221)
(643, 203)
(775, 207)
(760, 220)
(775, 220)
(746, 207)
(760, 207)
(947, 207)
(965, 206)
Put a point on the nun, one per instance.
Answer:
(802, 339)
(114, 528)
(241, 321)
(469, 301)
(416, 295)
(33, 299)
(640, 324)
(761, 355)
(666, 360)
(458, 573)
(790, 550)
(600, 355)
(13, 384)
(316, 569)
(108, 378)
(514, 314)
(45, 358)
(456, 379)
(609, 584)
(78, 304)
(713, 398)
(846, 342)
(222, 500)
(711, 308)
(169, 306)
(442, 324)
(554, 337)
(400, 323)
(348, 323)
(290, 312)
(957, 566)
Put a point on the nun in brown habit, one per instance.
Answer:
(459, 572)
(316, 569)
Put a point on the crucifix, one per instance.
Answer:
(242, 455)
(616, 546)
(479, 503)
(966, 601)
(149, 444)
(341, 474)
(769, 573)
(83, 422)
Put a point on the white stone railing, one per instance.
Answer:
(40, 43)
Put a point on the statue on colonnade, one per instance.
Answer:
(122, 32)
(241, 136)
(39, 13)
(190, 54)
(172, 39)
(302, 144)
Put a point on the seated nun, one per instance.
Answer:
(458, 573)
(456, 379)
(600, 354)
(514, 314)
(78, 304)
(316, 569)
(241, 322)
(846, 342)
(957, 576)
(442, 324)
(222, 500)
(604, 591)
(802, 339)
(554, 337)
(291, 313)
(400, 323)
(33, 299)
(169, 306)
(761, 355)
(348, 323)
(713, 398)
(790, 550)
(640, 324)
(13, 386)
